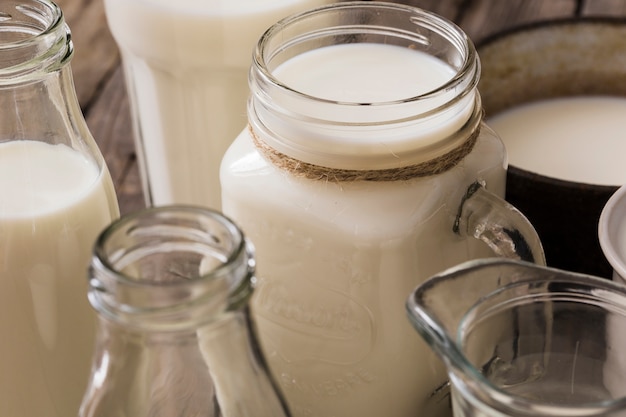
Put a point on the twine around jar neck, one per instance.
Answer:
(429, 132)
(434, 166)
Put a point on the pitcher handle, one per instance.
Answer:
(497, 223)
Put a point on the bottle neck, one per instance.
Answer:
(34, 41)
(169, 269)
(36, 84)
(364, 85)
(171, 286)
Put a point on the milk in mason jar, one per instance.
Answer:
(336, 260)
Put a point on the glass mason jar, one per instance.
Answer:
(57, 195)
(365, 167)
(171, 288)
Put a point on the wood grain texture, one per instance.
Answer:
(100, 83)
(110, 123)
(613, 8)
(95, 53)
(486, 17)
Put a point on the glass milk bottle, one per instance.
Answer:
(57, 195)
(186, 66)
(364, 169)
(171, 288)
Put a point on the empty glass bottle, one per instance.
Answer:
(171, 286)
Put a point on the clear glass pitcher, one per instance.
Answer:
(526, 340)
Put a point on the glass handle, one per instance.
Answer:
(501, 226)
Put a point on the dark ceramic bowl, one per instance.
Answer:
(549, 60)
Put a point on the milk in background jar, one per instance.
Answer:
(186, 64)
(336, 259)
(59, 201)
(585, 131)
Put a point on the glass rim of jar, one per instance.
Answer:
(113, 292)
(436, 22)
(407, 122)
(39, 42)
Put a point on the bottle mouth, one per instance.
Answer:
(341, 125)
(165, 266)
(33, 38)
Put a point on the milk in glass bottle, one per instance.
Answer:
(364, 169)
(56, 196)
(186, 66)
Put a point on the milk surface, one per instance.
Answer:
(186, 64)
(336, 261)
(54, 204)
(363, 73)
(578, 139)
(385, 73)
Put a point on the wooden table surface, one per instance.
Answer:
(100, 82)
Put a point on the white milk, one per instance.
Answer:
(55, 203)
(186, 64)
(337, 261)
(612, 233)
(576, 138)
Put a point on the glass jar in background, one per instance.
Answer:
(57, 195)
(171, 287)
(360, 174)
(186, 65)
